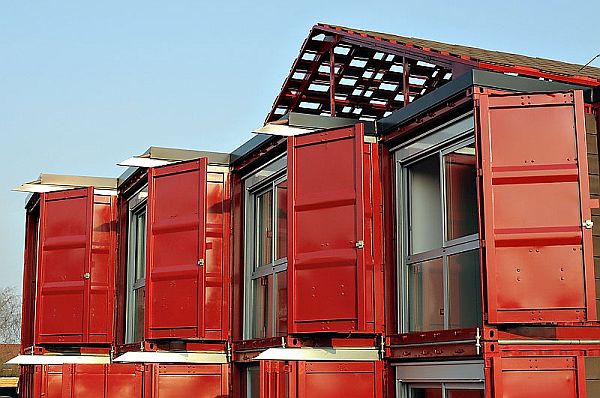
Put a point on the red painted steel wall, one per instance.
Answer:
(174, 381)
(535, 197)
(334, 278)
(81, 381)
(74, 274)
(38, 381)
(187, 252)
(301, 379)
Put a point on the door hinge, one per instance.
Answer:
(589, 224)
(201, 262)
(360, 244)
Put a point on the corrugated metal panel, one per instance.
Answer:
(535, 203)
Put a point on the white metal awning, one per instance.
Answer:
(212, 357)
(58, 359)
(319, 354)
(58, 182)
(159, 156)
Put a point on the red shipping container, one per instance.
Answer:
(174, 381)
(69, 264)
(304, 379)
(187, 252)
(334, 273)
(81, 381)
(536, 208)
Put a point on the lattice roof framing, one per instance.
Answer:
(371, 70)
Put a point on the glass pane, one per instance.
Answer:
(264, 228)
(262, 316)
(138, 316)
(461, 192)
(253, 382)
(140, 245)
(425, 206)
(456, 393)
(281, 245)
(465, 290)
(426, 296)
(431, 392)
(281, 300)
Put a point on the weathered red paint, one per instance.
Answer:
(81, 381)
(304, 379)
(535, 376)
(534, 200)
(174, 381)
(75, 269)
(330, 232)
(187, 252)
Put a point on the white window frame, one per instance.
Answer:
(442, 140)
(136, 204)
(258, 182)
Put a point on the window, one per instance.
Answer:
(438, 222)
(266, 252)
(136, 268)
(444, 379)
(445, 390)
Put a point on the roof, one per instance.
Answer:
(375, 74)
(8, 352)
(484, 57)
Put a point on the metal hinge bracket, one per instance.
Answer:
(360, 244)
(201, 262)
(589, 224)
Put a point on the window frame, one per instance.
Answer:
(137, 204)
(445, 139)
(447, 375)
(260, 181)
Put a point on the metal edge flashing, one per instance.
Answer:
(320, 354)
(200, 357)
(57, 182)
(250, 146)
(58, 359)
(454, 88)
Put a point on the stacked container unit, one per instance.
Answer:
(307, 254)
(173, 280)
(68, 282)
(493, 295)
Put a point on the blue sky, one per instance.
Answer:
(84, 85)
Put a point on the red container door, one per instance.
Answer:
(538, 251)
(175, 381)
(63, 300)
(176, 251)
(326, 260)
(102, 277)
(536, 377)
